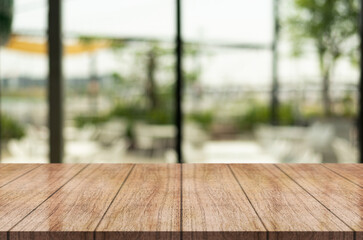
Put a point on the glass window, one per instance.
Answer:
(23, 74)
(119, 74)
(229, 73)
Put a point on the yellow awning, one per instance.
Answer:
(30, 46)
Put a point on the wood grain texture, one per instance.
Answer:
(20, 197)
(339, 195)
(77, 207)
(215, 207)
(189, 201)
(352, 172)
(10, 172)
(287, 210)
(147, 206)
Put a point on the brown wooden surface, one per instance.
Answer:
(287, 210)
(340, 196)
(352, 172)
(147, 207)
(77, 207)
(214, 202)
(22, 196)
(10, 172)
(171, 201)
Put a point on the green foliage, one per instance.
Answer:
(156, 105)
(129, 112)
(11, 129)
(118, 45)
(287, 114)
(118, 79)
(260, 114)
(204, 119)
(312, 113)
(348, 103)
(332, 27)
(192, 76)
(81, 121)
(329, 24)
(119, 111)
(159, 116)
(136, 113)
(86, 40)
(255, 115)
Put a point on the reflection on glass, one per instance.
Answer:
(227, 102)
(23, 64)
(119, 81)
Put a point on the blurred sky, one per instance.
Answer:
(230, 21)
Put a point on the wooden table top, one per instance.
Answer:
(189, 201)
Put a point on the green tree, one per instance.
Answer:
(332, 27)
(10, 128)
(151, 89)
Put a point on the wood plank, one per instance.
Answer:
(353, 172)
(147, 207)
(10, 172)
(215, 207)
(288, 211)
(339, 195)
(20, 197)
(76, 209)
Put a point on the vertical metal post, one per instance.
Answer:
(55, 81)
(179, 83)
(360, 102)
(275, 82)
(1, 126)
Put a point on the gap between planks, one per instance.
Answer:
(19, 176)
(249, 200)
(46, 199)
(181, 195)
(314, 197)
(334, 171)
(104, 214)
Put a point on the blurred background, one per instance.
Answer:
(265, 81)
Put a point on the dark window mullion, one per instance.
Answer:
(179, 83)
(360, 117)
(55, 81)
